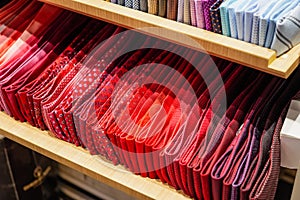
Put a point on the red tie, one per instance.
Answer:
(25, 95)
(89, 90)
(26, 66)
(33, 33)
(15, 28)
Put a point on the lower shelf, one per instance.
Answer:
(80, 160)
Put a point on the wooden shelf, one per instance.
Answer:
(244, 53)
(80, 160)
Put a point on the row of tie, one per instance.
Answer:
(273, 24)
(203, 125)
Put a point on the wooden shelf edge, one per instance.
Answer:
(80, 160)
(234, 50)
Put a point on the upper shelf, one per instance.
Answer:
(79, 159)
(244, 53)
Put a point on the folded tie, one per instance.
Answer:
(229, 162)
(11, 11)
(136, 4)
(15, 28)
(144, 5)
(216, 17)
(25, 95)
(269, 161)
(172, 9)
(34, 32)
(228, 127)
(121, 2)
(186, 12)
(153, 7)
(183, 134)
(180, 11)
(193, 13)
(206, 5)
(128, 3)
(30, 61)
(193, 144)
(79, 82)
(200, 22)
(162, 8)
(208, 145)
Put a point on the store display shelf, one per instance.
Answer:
(79, 159)
(234, 50)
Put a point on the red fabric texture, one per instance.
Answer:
(127, 97)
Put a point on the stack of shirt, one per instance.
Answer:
(203, 125)
(260, 22)
(272, 24)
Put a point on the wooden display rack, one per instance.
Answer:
(247, 54)
(241, 52)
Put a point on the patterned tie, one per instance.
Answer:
(162, 8)
(25, 95)
(66, 105)
(136, 4)
(270, 168)
(153, 7)
(206, 5)
(193, 12)
(216, 17)
(128, 3)
(172, 9)
(232, 18)
(181, 10)
(186, 12)
(144, 5)
(235, 114)
(199, 14)
(251, 21)
(11, 107)
(231, 153)
(52, 102)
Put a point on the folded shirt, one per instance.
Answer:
(280, 10)
(287, 33)
(225, 17)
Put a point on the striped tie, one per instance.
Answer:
(153, 7)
